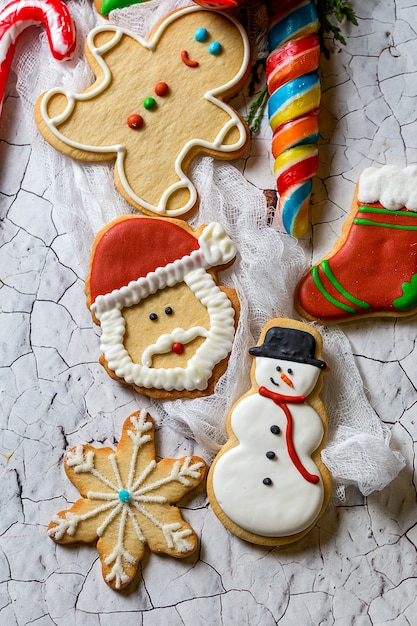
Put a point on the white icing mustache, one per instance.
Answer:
(164, 342)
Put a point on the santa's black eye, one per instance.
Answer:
(289, 371)
(169, 310)
(153, 317)
(278, 368)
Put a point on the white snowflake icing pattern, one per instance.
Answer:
(124, 500)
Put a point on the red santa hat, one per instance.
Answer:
(135, 256)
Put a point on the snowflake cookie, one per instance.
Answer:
(127, 501)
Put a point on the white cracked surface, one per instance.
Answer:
(359, 565)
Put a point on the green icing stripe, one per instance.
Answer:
(371, 209)
(332, 278)
(363, 222)
(326, 294)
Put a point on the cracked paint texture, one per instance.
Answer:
(359, 564)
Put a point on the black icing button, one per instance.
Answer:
(275, 429)
(267, 481)
(270, 454)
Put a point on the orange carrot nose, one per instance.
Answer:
(287, 380)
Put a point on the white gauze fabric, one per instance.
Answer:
(264, 274)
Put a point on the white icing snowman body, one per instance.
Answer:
(268, 484)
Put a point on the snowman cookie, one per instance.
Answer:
(167, 327)
(155, 105)
(268, 484)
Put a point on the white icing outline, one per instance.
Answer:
(199, 367)
(120, 150)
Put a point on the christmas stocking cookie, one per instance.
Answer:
(167, 327)
(155, 105)
(127, 501)
(268, 484)
(372, 269)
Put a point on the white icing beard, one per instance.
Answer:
(199, 368)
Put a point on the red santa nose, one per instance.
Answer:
(286, 380)
(177, 347)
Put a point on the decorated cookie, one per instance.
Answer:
(126, 501)
(268, 484)
(155, 105)
(372, 269)
(293, 107)
(18, 15)
(105, 6)
(167, 327)
(221, 5)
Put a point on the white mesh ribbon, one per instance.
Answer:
(264, 274)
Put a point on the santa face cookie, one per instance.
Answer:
(167, 327)
(372, 269)
(155, 105)
(268, 484)
(126, 501)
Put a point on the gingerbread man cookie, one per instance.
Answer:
(155, 105)
(167, 327)
(127, 500)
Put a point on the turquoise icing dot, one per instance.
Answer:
(201, 34)
(124, 495)
(215, 47)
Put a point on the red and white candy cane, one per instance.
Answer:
(19, 15)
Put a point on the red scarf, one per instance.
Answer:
(282, 401)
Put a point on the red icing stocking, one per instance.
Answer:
(373, 269)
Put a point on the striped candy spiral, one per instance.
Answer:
(293, 106)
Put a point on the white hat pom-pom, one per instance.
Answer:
(216, 245)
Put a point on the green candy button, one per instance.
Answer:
(149, 103)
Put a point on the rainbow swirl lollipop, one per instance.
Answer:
(293, 106)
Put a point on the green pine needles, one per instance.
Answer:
(328, 11)
(333, 15)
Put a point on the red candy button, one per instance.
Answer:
(161, 89)
(135, 121)
(177, 347)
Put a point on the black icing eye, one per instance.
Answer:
(153, 317)
(278, 368)
(289, 370)
(169, 310)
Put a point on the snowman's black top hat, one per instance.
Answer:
(289, 344)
